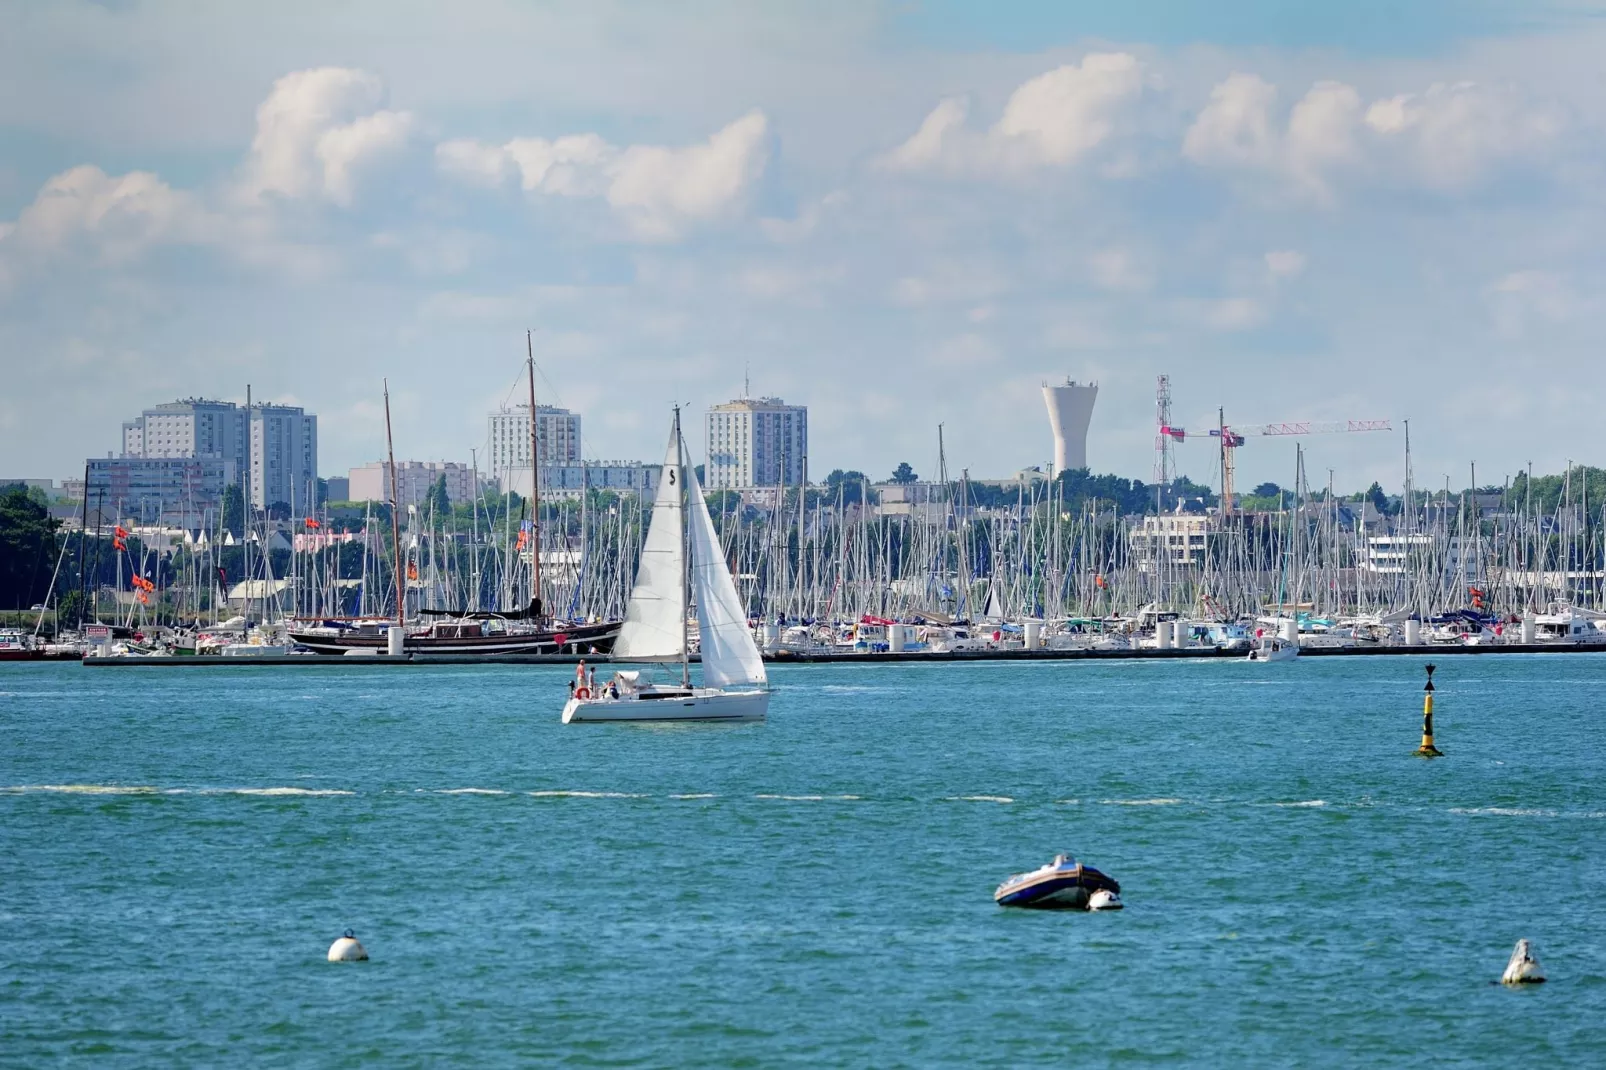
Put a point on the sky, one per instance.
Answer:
(903, 215)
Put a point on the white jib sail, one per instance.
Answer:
(653, 628)
(728, 652)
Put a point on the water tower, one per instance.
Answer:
(1070, 410)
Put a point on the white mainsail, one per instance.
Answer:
(729, 654)
(654, 629)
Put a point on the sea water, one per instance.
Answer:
(180, 846)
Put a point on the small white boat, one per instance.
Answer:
(658, 620)
(1273, 648)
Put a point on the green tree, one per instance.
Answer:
(27, 548)
(233, 510)
(437, 500)
(849, 486)
(904, 474)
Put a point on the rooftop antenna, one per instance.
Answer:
(747, 379)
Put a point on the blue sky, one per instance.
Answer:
(901, 215)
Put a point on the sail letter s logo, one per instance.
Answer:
(671, 477)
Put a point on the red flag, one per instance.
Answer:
(311, 523)
(119, 532)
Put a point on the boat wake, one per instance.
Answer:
(811, 798)
(979, 798)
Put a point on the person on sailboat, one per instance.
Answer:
(579, 687)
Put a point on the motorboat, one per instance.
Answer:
(1063, 884)
(17, 645)
(677, 565)
(1564, 624)
(1273, 648)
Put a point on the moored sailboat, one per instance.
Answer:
(676, 564)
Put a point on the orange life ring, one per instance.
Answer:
(582, 692)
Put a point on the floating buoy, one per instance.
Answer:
(1427, 749)
(1523, 969)
(348, 949)
(1104, 899)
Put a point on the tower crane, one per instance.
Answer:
(1235, 436)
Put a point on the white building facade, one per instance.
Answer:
(569, 480)
(557, 437)
(276, 444)
(414, 481)
(284, 457)
(189, 428)
(756, 442)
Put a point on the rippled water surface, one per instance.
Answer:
(178, 847)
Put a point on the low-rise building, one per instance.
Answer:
(155, 488)
(1174, 540)
(569, 480)
(414, 481)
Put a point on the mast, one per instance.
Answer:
(685, 559)
(395, 521)
(535, 487)
(245, 507)
(83, 559)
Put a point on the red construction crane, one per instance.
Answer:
(1235, 436)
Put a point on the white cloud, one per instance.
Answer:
(1284, 263)
(1232, 313)
(1120, 269)
(1235, 128)
(118, 216)
(570, 166)
(1322, 132)
(1452, 134)
(660, 190)
(1072, 109)
(925, 147)
(1053, 120)
(316, 130)
(1446, 137)
(473, 162)
(657, 190)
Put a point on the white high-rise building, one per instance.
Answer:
(192, 427)
(276, 444)
(1070, 410)
(756, 442)
(557, 433)
(284, 457)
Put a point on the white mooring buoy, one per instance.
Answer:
(348, 949)
(1104, 899)
(1523, 969)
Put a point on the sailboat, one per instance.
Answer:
(657, 619)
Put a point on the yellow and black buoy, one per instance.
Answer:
(1427, 749)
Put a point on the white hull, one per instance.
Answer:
(701, 704)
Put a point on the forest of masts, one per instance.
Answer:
(822, 555)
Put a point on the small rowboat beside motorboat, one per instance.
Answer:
(1063, 884)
